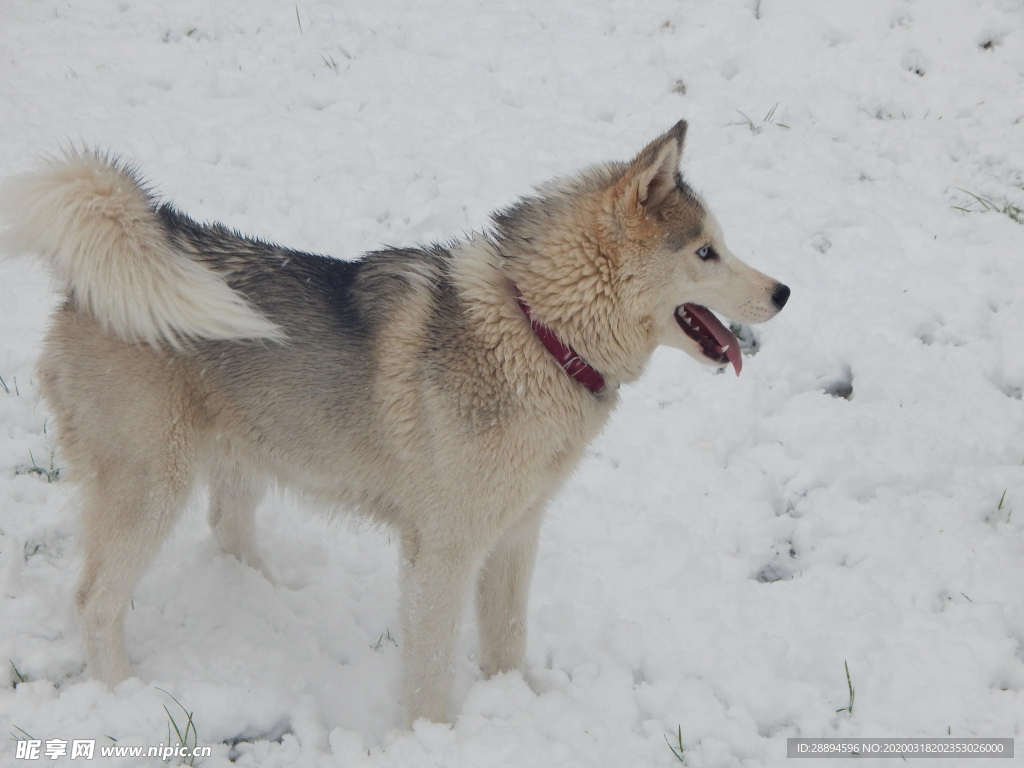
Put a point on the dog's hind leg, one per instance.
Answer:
(128, 429)
(129, 507)
(235, 492)
(502, 589)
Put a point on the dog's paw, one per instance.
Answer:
(255, 562)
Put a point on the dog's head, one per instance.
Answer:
(627, 256)
(672, 242)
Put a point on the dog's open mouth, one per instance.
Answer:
(716, 341)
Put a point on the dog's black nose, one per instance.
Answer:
(780, 295)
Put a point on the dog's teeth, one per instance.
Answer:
(725, 348)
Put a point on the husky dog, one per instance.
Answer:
(445, 391)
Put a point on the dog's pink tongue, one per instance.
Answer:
(722, 335)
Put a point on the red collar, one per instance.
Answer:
(571, 363)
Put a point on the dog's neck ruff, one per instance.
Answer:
(566, 356)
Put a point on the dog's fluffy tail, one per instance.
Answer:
(98, 230)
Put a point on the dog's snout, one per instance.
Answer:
(780, 295)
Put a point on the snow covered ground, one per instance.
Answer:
(729, 543)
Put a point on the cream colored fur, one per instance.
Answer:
(439, 413)
(96, 227)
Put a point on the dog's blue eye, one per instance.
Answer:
(707, 252)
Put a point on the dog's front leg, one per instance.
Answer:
(502, 590)
(435, 580)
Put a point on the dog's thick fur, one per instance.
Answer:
(408, 386)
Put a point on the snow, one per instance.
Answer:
(728, 543)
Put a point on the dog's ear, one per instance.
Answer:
(655, 171)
